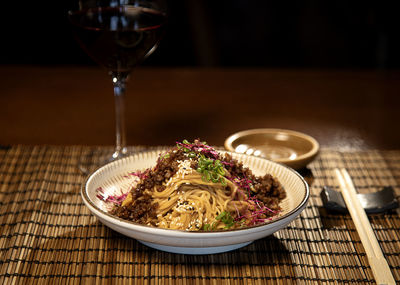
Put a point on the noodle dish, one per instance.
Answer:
(193, 187)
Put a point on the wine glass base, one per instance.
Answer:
(93, 160)
(123, 152)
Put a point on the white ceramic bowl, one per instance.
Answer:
(113, 178)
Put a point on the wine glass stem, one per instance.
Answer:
(119, 82)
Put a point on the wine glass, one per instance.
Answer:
(118, 35)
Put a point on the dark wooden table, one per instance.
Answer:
(74, 105)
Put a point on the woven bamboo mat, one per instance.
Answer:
(47, 235)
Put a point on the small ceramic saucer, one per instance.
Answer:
(291, 148)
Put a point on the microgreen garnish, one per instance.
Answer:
(163, 156)
(211, 170)
(192, 155)
(206, 227)
(198, 147)
(227, 219)
(115, 199)
(140, 174)
(187, 148)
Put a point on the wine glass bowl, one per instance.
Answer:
(119, 35)
(118, 38)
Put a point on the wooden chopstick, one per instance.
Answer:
(377, 261)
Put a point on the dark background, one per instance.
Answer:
(231, 33)
(326, 68)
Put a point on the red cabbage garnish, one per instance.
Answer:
(200, 147)
(140, 174)
(115, 199)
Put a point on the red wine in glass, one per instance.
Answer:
(118, 37)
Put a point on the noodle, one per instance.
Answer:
(193, 188)
(190, 202)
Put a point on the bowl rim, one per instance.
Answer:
(314, 149)
(182, 233)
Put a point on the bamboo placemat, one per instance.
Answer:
(47, 235)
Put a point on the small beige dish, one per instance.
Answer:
(291, 148)
(113, 179)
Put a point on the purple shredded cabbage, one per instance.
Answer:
(115, 199)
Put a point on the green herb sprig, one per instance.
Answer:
(211, 170)
(225, 217)
(190, 153)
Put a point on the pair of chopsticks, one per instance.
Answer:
(377, 261)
